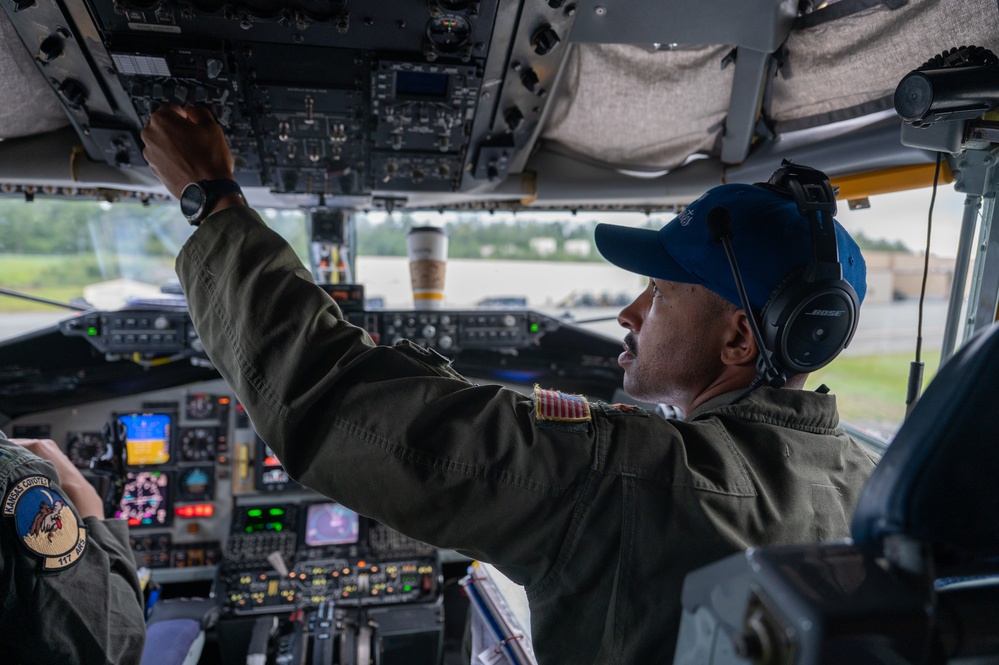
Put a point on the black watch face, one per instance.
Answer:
(191, 200)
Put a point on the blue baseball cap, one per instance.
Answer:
(771, 240)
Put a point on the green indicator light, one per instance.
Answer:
(535, 327)
(256, 512)
(276, 511)
(277, 527)
(249, 529)
(91, 331)
(407, 588)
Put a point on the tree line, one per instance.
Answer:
(53, 227)
(472, 236)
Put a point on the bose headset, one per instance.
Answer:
(812, 315)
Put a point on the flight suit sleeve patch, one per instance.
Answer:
(46, 525)
(555, 407)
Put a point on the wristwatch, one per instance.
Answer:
(198, 199)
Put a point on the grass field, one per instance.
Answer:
(62, 277)
(59, 294)
(18, 271)
(56, 277)
(870, 390)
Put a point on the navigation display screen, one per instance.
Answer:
(148, 437)
(146, 500)
(330, 524)
(421, 84)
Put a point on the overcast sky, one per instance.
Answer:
(902, 216)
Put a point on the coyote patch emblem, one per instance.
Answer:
(46, 525)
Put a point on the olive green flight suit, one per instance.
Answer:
(81, 603)
(599, 518)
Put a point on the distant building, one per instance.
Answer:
(898, 275)
(502, 302)
(544, 246)
(578, 247)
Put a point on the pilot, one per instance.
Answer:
(70, 591)
(599, 510)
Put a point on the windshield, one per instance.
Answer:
(96, 255)
(870, 377)
(106, 255)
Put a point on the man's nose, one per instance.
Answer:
(628, 317)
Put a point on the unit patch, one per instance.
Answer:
(560, 407)
(46, 525)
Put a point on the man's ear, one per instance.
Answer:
(738, 344)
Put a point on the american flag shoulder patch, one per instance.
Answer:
(560, 407)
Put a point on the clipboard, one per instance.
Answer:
(502, 638)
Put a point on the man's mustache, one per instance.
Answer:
(631, 344)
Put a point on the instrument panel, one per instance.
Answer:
(284, 554)
(205, 498)
(447, 331)
(211, 508)
(178, 491)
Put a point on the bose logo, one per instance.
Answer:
(827, 312)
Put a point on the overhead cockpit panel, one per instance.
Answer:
(331, 99)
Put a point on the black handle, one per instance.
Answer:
(113, 464)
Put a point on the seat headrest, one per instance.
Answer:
(938, 482)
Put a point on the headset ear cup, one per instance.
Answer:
(775, 311)
(807, 324)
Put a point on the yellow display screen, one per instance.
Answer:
(147, 437)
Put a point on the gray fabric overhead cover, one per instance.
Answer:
(851, 66)
(630, 108)
(29, 105)
(627, 106)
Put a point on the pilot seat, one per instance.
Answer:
(175, 630)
